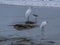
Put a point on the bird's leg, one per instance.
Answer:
(42, 33)
(28, 19)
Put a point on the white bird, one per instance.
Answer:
(28, 12)
(43, 24)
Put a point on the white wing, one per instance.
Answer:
(44, 23)
(28, 12)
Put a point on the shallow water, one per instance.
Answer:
(10, 14)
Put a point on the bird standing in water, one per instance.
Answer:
(43, 24)
(28, 12)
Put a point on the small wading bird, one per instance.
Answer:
(43, 24)
(27, 14)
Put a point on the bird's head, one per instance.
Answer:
(43, 24)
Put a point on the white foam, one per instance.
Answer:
(53, 3)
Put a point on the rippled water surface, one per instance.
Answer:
(10, 14)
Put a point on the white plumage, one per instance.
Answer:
(44, 23)
(28, 12)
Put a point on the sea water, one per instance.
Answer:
(10, 14)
